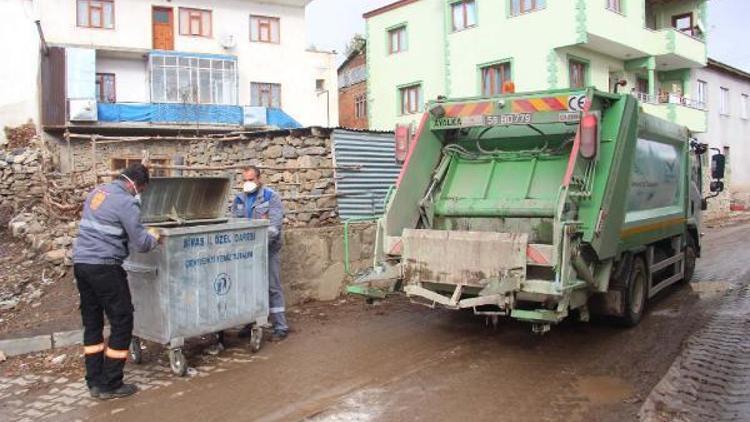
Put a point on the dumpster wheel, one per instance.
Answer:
(136, 355)
(177, 362)
(256, 338)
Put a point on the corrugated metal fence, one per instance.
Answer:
(362, 191)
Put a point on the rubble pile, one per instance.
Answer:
(26, 273)
(20, 136)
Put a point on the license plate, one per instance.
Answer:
(508, 119)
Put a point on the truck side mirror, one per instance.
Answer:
(718, 162)
(717, 186)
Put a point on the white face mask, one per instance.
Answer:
(249, 187)
(137, 194)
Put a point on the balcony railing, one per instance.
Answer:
(669, 98)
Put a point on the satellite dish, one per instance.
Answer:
(228, 41)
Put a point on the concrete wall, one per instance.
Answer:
(19, 98)
(730, 130)
(312, 260)
(131, 78)
(423, 62)
(288, 63)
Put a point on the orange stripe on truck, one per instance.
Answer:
(632, 231)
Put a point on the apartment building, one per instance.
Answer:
(353, 90)
(420, 49)
(166, 64)
(725, 90)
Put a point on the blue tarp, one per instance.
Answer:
(277, 117)
(187, 113)
(170, 113)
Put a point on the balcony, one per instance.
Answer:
(675, 108)
(678, 49)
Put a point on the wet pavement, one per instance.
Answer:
(399, 361)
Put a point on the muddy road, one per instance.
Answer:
(400, 361)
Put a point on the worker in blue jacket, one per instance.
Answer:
(110, 225)
(260, 202)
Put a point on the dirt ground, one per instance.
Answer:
(398, 361)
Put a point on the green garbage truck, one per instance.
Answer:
(537, 206)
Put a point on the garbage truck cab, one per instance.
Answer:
(532, 205)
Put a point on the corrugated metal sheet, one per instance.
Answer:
(363, 190)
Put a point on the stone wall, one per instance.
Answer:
(21, 178)
(298, 164)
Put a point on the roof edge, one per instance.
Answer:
(388, 8)
(727, 68)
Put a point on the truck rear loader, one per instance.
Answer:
(534, 205)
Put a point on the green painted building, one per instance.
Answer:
(418, 50)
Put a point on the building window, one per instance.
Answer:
(577, 70)
(724, 101)
(120, 164)
(464, 15)
(183, 79)
(519, 7)
(411, 99)
(360, 106)
(700, 93)
(96, 14)
(743, 105)
(320, 85)
(265, 95)
(397, 41)
(195, 22)
(105, 88)
(615, 5)
(683, 23)
(265, 29)
(493, 78)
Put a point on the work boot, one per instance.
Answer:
(279, 335)
(124, 391)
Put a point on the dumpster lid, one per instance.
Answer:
(184, 199)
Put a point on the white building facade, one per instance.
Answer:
(157, 62)
(726, 92)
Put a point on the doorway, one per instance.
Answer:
(163, 28)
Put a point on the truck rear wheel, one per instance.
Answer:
(634, 294)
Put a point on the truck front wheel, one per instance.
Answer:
(634, 294)
(690, 258)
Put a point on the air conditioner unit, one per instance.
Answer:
(82, 110)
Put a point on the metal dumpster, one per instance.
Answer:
(209, 274)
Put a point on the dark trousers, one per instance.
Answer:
(104, 289)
